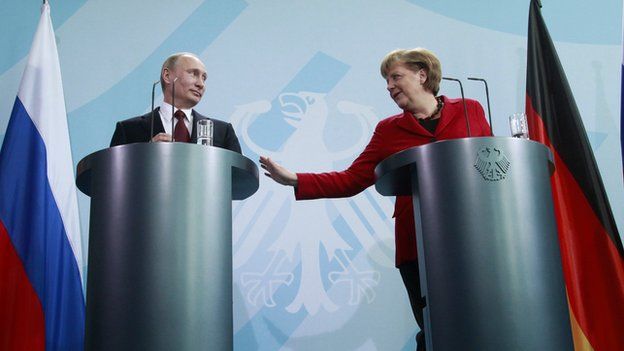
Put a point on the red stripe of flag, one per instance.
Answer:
(22, 326)
(591, 248)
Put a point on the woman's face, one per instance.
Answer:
(406, 86)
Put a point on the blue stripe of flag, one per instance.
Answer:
(34, 224)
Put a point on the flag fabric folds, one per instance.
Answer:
(591, 248)
(41, 296)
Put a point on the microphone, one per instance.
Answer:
(173, 107)
(487, 97)
(152, 124)
(461, 88)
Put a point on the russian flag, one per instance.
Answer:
(41, 295)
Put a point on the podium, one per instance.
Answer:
(160, 245)
(488, 251)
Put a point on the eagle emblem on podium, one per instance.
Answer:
(492, 163)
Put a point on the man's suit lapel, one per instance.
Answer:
(158, 126)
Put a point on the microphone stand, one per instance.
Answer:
(487, 97)
(173, 107)
(461, 88)
(152, 124)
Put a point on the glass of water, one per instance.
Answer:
(519, 126)
(204, 132)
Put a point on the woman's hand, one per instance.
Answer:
(277, 172)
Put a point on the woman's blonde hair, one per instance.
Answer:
(416, 59)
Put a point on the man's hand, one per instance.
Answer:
(161, 137)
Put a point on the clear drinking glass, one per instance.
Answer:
(204, 132)
(519, 126)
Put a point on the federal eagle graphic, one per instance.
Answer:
(492, 164)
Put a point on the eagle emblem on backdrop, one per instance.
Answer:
(308, 255)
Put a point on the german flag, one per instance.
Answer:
(591, 249)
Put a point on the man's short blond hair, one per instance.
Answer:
(416, 59)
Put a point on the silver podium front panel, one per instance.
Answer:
(489, 260)
(160, 250)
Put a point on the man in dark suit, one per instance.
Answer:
(189, 74)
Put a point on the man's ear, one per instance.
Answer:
(166, 75)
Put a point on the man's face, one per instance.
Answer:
(190, 84)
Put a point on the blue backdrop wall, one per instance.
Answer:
(319, 274)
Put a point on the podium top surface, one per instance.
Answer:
(155, 157)
(393, 175)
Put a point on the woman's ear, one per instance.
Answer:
(422, 76)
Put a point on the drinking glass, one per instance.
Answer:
(519, 126)
(204, 132)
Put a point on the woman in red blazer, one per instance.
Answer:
(413, 81)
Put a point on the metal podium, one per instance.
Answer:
(488, 252)
(160, 245)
